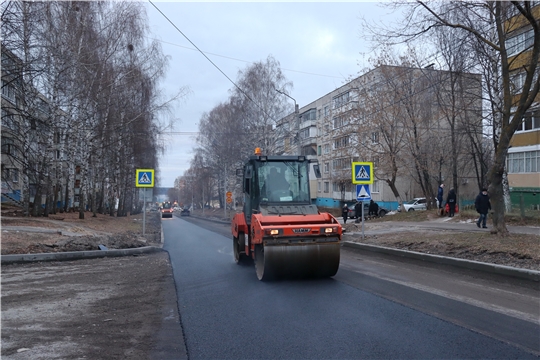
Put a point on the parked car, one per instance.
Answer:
(415, 204)
(166, 210)
(352, 212)
(185, 212)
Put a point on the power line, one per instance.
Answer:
(207, 58)
(248, 62)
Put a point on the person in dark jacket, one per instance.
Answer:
(482, 205)
(373, 209)
(451, 201)
(345, 213)
(358, 211)
(440, 195)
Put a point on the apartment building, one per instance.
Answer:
(34, 150)
(523, 162)
(349, 125)
(11, 145)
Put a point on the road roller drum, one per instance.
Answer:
(296, 261)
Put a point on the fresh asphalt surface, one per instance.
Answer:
(227, 313)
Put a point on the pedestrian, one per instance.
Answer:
(358, 211)
(373, 209)
(482, 205)
(440, 194)
(345, 213)
(451, 202)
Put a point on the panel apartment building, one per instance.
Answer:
(523, 163)
(397, 118)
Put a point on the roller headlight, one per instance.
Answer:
(330, 230)
(272, 232)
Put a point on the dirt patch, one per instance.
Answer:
(38, 235)
(516, 250)
(101, 308)
(87, 309)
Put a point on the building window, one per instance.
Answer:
(8, 91)
(523, 162)
(339, 164)
(338, 122)
(319, 186)
(341, 142)
(340, 100)
(530, 122)
(319, 150)
(375, 161)
(326, 187)
(311, 114)
(326, 168)
(326, 149)
(10, 174)
(8, 146)
(520, 42)
(375, 186)
(335, 187)
(57, 137)
(8, 121)
(304, 133)
(518, 80)
(374, 137)
(326, 111)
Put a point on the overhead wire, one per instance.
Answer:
(207, 58)
(246, 61)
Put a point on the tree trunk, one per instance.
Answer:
(496, 193)
(37, 200)
(47, 208)
(81, 203)
(94, 201)
(66, 197)
(395, 191)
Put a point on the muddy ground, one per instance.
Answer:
(66, 232)
(106, 308)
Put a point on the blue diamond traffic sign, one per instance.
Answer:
(362, 173)
(144, 178)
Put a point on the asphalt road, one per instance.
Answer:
(365, 311)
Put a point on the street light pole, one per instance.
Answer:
(296, 110)
(287, 95)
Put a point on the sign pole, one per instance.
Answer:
(362, 174)
(144, 178)
(362, 220)
(144, 213)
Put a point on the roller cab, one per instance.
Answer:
(279, 229)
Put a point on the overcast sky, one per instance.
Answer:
(317, 44)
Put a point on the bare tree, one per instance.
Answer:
(261, 104)
(380, 126)
(93, 79)
(487, 26)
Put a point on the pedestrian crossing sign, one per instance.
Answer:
(362, 173)
(144, 178)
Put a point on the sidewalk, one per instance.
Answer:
(441, 223)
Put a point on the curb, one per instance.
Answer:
(76, 255)
(469, 264)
